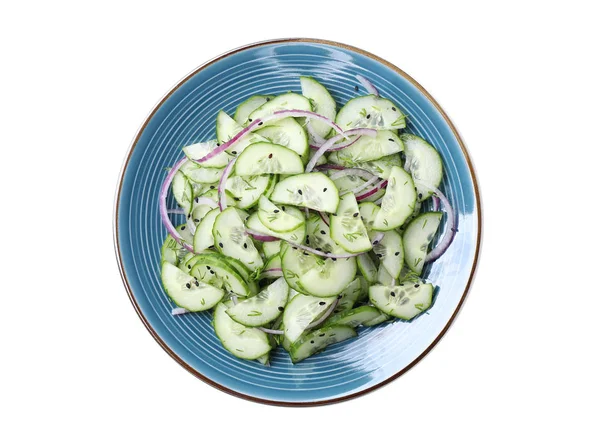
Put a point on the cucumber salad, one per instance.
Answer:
(304, 221)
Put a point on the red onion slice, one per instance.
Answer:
(436, 203)
(268, 330)
(372, 191)
(367, 85)
(175, 211)
(452, 226)
(368, 183)
(329, 166)
(178, 311)
(324, 217)
(261, 236)
(222, 182)
(314, 137)
(338, 146)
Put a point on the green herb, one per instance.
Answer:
(352, 236)
(291, 274)
(254, 313)
(363, 112)
(424, 224)
(419, 306)
(294, 237)
(385, 222)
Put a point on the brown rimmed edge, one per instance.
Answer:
(285, 403)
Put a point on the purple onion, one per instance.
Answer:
(367, 85)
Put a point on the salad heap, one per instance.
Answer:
(303, 222)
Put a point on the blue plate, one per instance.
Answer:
(187, 115)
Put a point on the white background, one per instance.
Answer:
(518, 368)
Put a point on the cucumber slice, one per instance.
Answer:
(182, 191)
(301, 312)
(381, 167)
(231, 239)
(318, 236)
(417, 237)
(322, 101)
(217, 273)
(349, 296)
(268, 158)
(370, 111)
(272, 263)
(318, 340)
(250, 105)
(262, 308)
(390, 252)
(368, 148)
(203, 238)
(227, 128)
(240, 341)
(173, 252)
(347, 183)
(199, 174)
(347, 228)
(199, 150)
(378, 320)
(289, 133)
(404, 301)
(398, 201)
(281, 102)
(234, 264)
(384, 277)
(264, 359)
(313, 190)
(424, 163)
(368, 211)
(296, 236)
(274, 218)
(247, 189)
(367, 267)
(354, 317)
(294, 264)
(199, 211)
(186, 291)
(271, 248)
(329, 278)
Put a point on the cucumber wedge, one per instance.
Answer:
(295, 236)
(354, 317)
(199, 150)
(370, 112)
(384, 277)
(348, 183)
(263, 308)
(182, 191)
(367, 148)
(271, 248)
(329, 278)
(281, 102)
(250, 105)
(231, 239)
(231, 263)
(268, 158)
(219, 274)
(186, 291)
(240, 341)
(173, 252)
(367, 267)
(246, 190)
(203, 238)
(378, 320)
(381, 167)
(289, 133)
(294, 264)
(318, 236)
(322, 101)
(404, 301)
(417, 237)
(347, 228)
(313, 190)
(390, 252)
(301, 312)
(398, 201)
(424, 164)
(199, 174)
(274, 218)
(227, 128)
(318, 340)
(349, 296)
(368, 211)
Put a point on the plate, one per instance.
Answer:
(187, 115)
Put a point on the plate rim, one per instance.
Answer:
(328, 401)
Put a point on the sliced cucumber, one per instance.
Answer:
(368, 211)
(263, 308)
(289, 133)
(286, 101)
(294, 264)
(264, 359)
(232, 263)
(384, 277)
(173, 252)
(199, 174)
(368, 148)
(347, 228)
(378, 320)
(398, 201)
(313, 190)
(250, 105)
(247, 189)
(182, 191)
(390, 252)
(295, 236)
(320, 161)
(240, 341)
(349, 296)
(227, 128)
(354, 317)
(301, 312)
(347, 183)
(367, 267)
(277, 220)
(272, 263)
(219, 274)
(199, 150)
(232, 240)
(381, 167)
(370, 112)
(318, 340)
(329, 278)
(268, 158)
(318, 236)
(404, 301)
(424, 164)
(186, 291)
(322, 101)
(271, 248)
(203, 238)
(417, 237)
